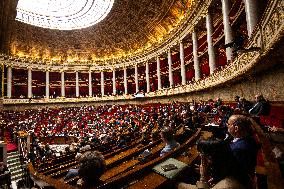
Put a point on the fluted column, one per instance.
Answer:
(211, 51)
(227, 28)
(182, 66)
(136, 79)
(102, 84)
(9, 82)
(125, 81)
(77, 84)
(90, 84)
(62, 84)
(195, 56)
(159, 73)
(46, 84)
(170, 68)
(113, 82)
(30, 92)
(251, 8)
(147, 77)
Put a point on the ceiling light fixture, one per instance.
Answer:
(63, 14)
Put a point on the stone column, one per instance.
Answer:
(159, 73)
(195, 56)
(227, 27)
(211, 51)
(170, 68)
(113, 82)
(62, 84)
(47, 84)
(77, 84)
(90, 84)
(30, 91)
(9, 82)
(147, 77)
(125, 80)
(182, 66)
(251, 8)
(102, 84)
(136, 79)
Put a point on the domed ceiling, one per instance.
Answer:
(128, 29)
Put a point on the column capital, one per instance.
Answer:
(47, 69)
(9, 66)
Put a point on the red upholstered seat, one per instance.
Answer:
(275, 117)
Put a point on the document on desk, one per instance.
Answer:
(170, 168)
(211, 125)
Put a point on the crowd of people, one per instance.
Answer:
(106, 126)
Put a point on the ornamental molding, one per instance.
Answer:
(197, 11)
(267, 33)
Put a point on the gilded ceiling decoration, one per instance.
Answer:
(130, 28)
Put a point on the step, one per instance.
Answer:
(12, 156)
(12, 153)
(16, 172)
(14, 164)
(14, 169)
(14, 160)
(17, 177)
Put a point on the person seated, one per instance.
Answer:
(5, 175)
(261, 107)
(218, 102)
(92, 166)
(243, 145)
(244, 105)
(219, 168)
(167, 135)
(237, 100)
(84, 171)
(121, 142)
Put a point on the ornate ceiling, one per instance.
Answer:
(63, 15)
(129, 28)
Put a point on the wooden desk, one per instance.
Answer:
(155, 180)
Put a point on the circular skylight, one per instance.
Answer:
(63, 14)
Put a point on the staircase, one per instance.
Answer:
(11, 145)
(14, 166)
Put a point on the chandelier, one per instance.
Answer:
(63, 14)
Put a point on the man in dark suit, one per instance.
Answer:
(243, 145)
(261, 107)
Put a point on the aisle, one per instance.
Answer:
(11, 145)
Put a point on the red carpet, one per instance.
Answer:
(11, 145)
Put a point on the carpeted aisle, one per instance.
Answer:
(11, 145)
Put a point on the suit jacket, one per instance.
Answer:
(245, 151)
(260, 108)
